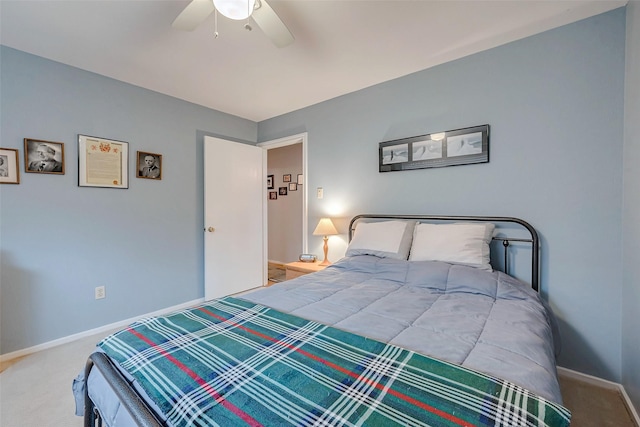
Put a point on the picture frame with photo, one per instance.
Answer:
(451, 148)
(293, 186)
(282, 191)
(9, 166)
(270, 182)
(286, 178)
(43, 157)
(149, 165)
(273, 195)
(300, 179)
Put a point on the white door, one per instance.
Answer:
(235, 194)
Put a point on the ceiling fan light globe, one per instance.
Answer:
(235, 9)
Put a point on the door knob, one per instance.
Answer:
(211, 229)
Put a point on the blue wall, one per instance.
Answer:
(555, 105)
(60, 241)
(631, 212)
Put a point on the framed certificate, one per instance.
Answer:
(102, 162)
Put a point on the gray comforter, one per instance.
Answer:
(486, 321)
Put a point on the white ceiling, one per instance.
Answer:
(340, 46)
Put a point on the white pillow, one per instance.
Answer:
(385, 239)
(459, 243)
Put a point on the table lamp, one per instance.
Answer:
(325, 228)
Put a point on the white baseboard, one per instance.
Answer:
(95, 331)
(600, 382)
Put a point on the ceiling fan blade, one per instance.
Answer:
(193, 15)
(271, 24)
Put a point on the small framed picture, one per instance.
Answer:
(149, 165)
(269, 182)
(293, 186)
(282, 191)
(43, 156)
(9, 170)
(273, 195)
(300, 179)
(286, 178)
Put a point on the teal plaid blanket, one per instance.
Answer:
(232, 362)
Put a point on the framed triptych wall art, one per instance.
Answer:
(451, 148)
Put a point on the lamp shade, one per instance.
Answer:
(325, 228)
(235, 9)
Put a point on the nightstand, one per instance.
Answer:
(299, 268)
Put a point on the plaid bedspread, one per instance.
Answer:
(231, 362)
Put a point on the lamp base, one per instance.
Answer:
(326, 250)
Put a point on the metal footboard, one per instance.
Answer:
(140, 412)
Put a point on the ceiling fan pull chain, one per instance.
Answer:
(215, 18)
(247, 26)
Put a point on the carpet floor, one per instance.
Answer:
(594, 406)
(276, 273)
(35, 391)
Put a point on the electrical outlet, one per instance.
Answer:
(320, 193)
(100, 292)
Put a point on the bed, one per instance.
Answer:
(414, 326)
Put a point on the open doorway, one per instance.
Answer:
(286, 222)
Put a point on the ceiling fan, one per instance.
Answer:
(264, 16)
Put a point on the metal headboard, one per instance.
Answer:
(506, 241)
